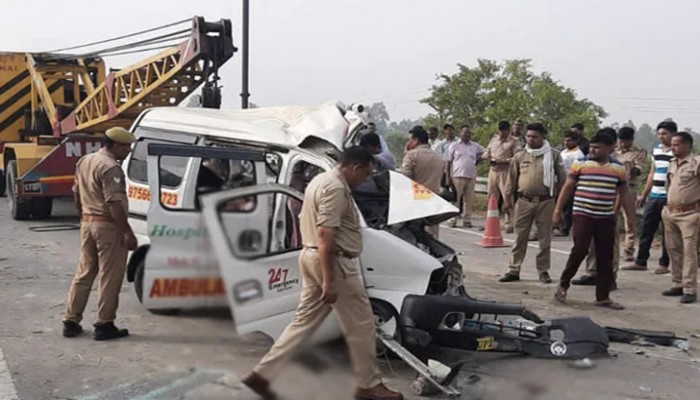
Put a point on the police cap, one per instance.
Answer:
(120, 135)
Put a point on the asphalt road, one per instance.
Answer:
(197, 356)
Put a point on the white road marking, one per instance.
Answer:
(7, 386)
(533, 245)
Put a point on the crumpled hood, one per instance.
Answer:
(410, 201)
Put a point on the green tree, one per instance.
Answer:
(490, 92)
(644, 138)
(397, 136)
(380, 116)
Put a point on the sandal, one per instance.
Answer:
(560, 295)
(610, 304)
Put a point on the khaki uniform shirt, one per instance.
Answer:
(632, 158)
(683, 180)
(328, 202)
(99, 180)
(424, 166)
(501, 150)
(526, 174)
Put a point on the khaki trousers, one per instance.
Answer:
(526, 213)
(101, 250)
(591, 267)
(353, 308)
(465, 195)
(681, 231)
(497, 186)
(631, 199)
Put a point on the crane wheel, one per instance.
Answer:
(42, 207)
(19, 209)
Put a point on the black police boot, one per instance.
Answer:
(109, 331)
(688, 298)
(71, 329)
(584, 280)
(509, 277)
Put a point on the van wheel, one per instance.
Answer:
(138, 287)
(19, 209)
(386, 319)
(42, 207)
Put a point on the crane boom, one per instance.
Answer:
(164, 79)
(54, 106)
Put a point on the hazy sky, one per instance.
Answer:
(631, 57)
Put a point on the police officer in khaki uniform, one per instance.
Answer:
(423, 165)
(634, 160)
(536, 175)
(499, 154)
(332, 240)
(105, 235)
(681, 218)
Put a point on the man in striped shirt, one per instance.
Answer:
(595, 184)
(655, 191)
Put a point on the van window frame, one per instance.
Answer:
(150, 135)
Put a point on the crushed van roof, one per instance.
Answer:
(282, 126)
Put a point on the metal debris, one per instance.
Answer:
(584, 363)
(683, 345)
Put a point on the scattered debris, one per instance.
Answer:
(645, 389)
(626, 335)
(642, 343)
(683, 345)
(229, 381)
(639, 351)
(584, 363)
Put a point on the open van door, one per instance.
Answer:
(254, 232)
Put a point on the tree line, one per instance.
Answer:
(489, 92)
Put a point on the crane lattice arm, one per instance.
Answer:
(164, 79)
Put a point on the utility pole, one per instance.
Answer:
(245, 94)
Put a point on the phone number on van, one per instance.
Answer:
(140, 193)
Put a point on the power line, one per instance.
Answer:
(123, 36)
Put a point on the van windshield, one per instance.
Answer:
(372, 198)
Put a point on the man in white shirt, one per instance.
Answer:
(442, 146)
(569, 155)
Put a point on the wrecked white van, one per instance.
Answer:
(214, 198)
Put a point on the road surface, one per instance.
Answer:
(197, 356)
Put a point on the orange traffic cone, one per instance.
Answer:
(492, 234)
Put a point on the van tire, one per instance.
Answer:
(42, 207)
(19, 209)
(138, 287)
(383, 313)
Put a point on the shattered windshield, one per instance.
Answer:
(372, 198)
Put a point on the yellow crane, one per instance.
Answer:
(55, 106)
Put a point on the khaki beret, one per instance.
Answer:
(120, 135)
